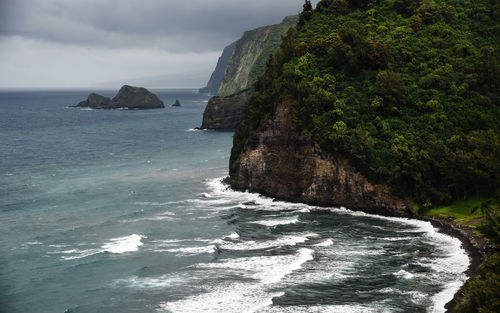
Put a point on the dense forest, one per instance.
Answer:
(407, 90)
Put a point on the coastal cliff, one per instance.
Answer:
(279, 162)
(215, 80)
(241, 69)
(250, 54)
(225, 112)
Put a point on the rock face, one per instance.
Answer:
(95, 101)
(246, 63)
(225, 112)
(177, 103)
(250, 55)
(128, 97)
(213, 84)
(279, 162)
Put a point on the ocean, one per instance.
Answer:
(125, 211)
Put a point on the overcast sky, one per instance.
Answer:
(92, 43)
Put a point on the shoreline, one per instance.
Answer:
(476, 247)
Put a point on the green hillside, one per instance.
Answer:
(407, 90)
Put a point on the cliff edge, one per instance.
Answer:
(279, 162)
(225, 112)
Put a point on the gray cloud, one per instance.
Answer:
(189, 25)
(68, 43)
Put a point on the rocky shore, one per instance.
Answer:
(477, 248)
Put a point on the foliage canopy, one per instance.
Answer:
(407, 90)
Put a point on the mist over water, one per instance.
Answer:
(125, 211)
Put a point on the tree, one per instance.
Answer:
(307, 6)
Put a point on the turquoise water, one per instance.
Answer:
(125, 211)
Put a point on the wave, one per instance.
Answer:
(404, 274)
(117, 245)
(251, 296)
(187, 251)
(258, 245)
(124, 244)
(346, 308)
(233, 235)
(449, 262)
(158, 282)
(324, 243)
(276, 222)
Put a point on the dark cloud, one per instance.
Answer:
(186, 25)
(70, 43)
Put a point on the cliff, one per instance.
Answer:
(246, 63)
(127, 97)
(250, 54)
(215, 80)
(225, 112)
(279, 162)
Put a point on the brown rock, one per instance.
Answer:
(279, 162)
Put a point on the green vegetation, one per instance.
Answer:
(407, 90)
(462, 211)
(271, 44)
(482, 292)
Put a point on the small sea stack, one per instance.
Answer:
(128, 97)
(177, 103)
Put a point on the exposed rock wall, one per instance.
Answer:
(246, 52)
(250, 55)
(225, 112)
(215, 80)
(278, 162)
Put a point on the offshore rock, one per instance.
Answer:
(225, 112)
(95, 101)
(128, 97)
(177, 103)
(279, 162)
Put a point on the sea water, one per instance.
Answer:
(126, 211)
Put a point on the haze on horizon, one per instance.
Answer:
(104, 43)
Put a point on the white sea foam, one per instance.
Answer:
(124, 244)
(74, 254)
(150, 218)
(115, 245)
(449, 263)
(189, 250)
(159, 282)
(275, 222)
(250, 296)
(32, 243)
(353, 308)
(404, 274)
(257, 245)
(415, 296)
(233, 235)
(152, 203)
(324, 243)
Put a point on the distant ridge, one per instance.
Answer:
(215, 80)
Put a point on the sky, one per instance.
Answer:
(108, 43)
